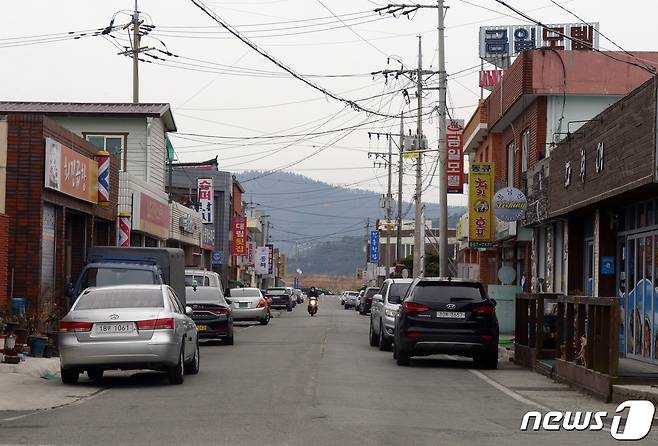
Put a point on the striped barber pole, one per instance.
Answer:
(123, 233)
(103, 159)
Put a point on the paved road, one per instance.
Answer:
(311, 381)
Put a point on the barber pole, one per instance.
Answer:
(103, 159)
(123, 234)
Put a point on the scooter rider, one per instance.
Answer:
(312, 301)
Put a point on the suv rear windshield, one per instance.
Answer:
(371, 292)
(446, 292)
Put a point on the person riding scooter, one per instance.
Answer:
(312, 301)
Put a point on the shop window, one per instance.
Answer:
(110, 143)
(525, 150)
(511, 147)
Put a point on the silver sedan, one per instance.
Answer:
(249, 304)
(128, 327)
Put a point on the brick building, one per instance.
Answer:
(545, 95)
(52, 211)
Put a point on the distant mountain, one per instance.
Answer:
(307, 214)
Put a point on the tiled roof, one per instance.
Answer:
(161, 110)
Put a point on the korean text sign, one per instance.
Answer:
(374, 246)
(262, 260)
(206, 199)
(455, 163)
(239, 236)
(70, 172)
(498, 42)
(480, 212)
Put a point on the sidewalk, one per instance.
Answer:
(34, 384)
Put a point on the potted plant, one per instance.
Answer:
(52, 323)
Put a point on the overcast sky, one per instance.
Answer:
(261, 100)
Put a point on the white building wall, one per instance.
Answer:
(576, 108)
(177, 211)
(157, 152)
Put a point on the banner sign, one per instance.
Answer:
(455, 163)
(208, 237)
(480, 213)
(270, 259)
(205, 198)
(262, 260)
(499, 43)
(295, 283)
(153, 216)
(251, 253)
(490, 78)
(509, 204)
(216, 258)
(374, 246)
(239, 236)
(70, 173)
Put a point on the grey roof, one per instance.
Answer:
(161, 110)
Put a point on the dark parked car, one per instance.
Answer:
(366, 300)
(211, 313)
(451, 316)
(281, 298)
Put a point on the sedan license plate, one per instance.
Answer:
(451, 314)
(202, 327)
(115, 328)
(244, 305)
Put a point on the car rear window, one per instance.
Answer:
(398, 289)
(371, 292)
(98, 277)
(204, 295)
(200, 280)
(276, 291)
(446, 292)
(120, 298)
(244, 292)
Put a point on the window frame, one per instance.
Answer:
(525, 150)
(123, 159)
(511, 159)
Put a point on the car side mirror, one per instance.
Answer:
(188, 311)
(378, 298)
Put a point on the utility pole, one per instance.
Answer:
(389, 199)
(398, 245)
(443, 176)
(136, 55)
(419, 227)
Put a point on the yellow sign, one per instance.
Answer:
(480, 212)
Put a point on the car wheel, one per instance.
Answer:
(384, 344)
(70, 376)
(95, 374)
(229, 340)
(486, 360)
(176, 373)
(289, 308)
(402, 357)
(192, 368)
(373, 337)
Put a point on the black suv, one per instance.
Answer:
(451, 316)
(281, 297)
(366, 300)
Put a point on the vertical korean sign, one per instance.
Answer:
(270, 259)
(239, 236)
(262, 260)
(480, 212)
(205, 197)
(455, 163)
(251, 253)
(374, 246)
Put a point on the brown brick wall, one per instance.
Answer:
(4, 254)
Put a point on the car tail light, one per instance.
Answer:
(487, 337)
(261, 303)
(156, 324)
(75, 326)
(413, 307)
(484, 309)
(413, 334)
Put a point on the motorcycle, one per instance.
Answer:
(312, 306)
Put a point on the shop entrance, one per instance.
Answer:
(75, 248)
(640, 299)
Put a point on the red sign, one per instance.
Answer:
(239, 236)
(70, 173)
(153, 216)
(491, 78)
(455, 159)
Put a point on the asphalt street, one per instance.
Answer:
(312, 381)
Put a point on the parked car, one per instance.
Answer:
(298, 295)
(452, 316)
(351, 298)
(385, 305)
(291, 291)
(204, 278)
(357, 305)
(211, 313)
(128, 327)
(365, 300)
(281, 298)
(342, 298)
(249, 304)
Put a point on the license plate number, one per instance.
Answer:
(202, 327)
(117, 328)
(244, 305)
(451, 314)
